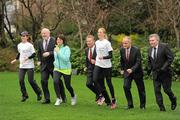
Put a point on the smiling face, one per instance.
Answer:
(24, 38)
(59, 41)
(90, 42)
(126, 42)
(101, 33)
(153, 41)
(45, 33)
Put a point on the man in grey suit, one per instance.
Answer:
(46, 59)
(160, 59)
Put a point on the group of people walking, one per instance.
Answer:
(54, 60)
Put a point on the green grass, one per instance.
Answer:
(86, 109)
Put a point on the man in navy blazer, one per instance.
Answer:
(160, 59)
(45, 60)
(90, 53)
(131, 68)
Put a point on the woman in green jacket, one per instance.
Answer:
(62, 67)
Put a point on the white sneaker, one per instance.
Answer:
(101, 101)
(58, 102)
(74, 100)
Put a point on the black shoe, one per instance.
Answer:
(24, 98)
(162, 108)
(39, 97)
(174, 104)
(129, 107)
(142, 107)
(46, 101)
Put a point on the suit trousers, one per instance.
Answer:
(164, 80)
(44, 82)
(90, 82)
(141, 90)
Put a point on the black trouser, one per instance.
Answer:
(141, 90)
(98, 78)
(57, 81)
(164, 80)
(90, 83)
(31, 80)
(44, 82)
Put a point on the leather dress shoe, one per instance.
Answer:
(174, 104)
(46, 102)
(162, 108)
(129, 107)
(39, 97)
(142, 107)
(24, 98)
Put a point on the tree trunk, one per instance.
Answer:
(177, 36)
(3, 40)
(176, 30)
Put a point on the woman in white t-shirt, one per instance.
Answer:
(103, 67)
(26, 53)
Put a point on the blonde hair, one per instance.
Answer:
(104, 31)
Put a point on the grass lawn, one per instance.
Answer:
(86, 109)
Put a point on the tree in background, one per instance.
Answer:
(35, 14)
(3, 40)
(165, 14)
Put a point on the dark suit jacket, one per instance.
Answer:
(134, 62)
(48, 61)
(90, 66)
(162, 65)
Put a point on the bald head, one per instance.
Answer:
(45, 33)
(126, 42)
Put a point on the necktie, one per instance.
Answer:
(46, 45)
(154, 56)
(127, 54)
(90, 54)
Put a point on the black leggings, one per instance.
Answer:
(30, 72)
(107, 75)
(67, 79)
(99, 75)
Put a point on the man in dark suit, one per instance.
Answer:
(46, 59)
(131, 69)
(90, 53)
(160, 58)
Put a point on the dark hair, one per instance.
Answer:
(62, 37)
(26, 33)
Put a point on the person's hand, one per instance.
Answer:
(56, 49)
(38, 63)
(129, 71)
(122, 72)
(13, 61)
(25, 59)
(93, 61)
(46, 54)
(85, 69)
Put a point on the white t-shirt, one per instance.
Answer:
(26, 50)
(102, 49)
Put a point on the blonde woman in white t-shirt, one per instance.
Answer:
(26, 53)
(103, 68)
